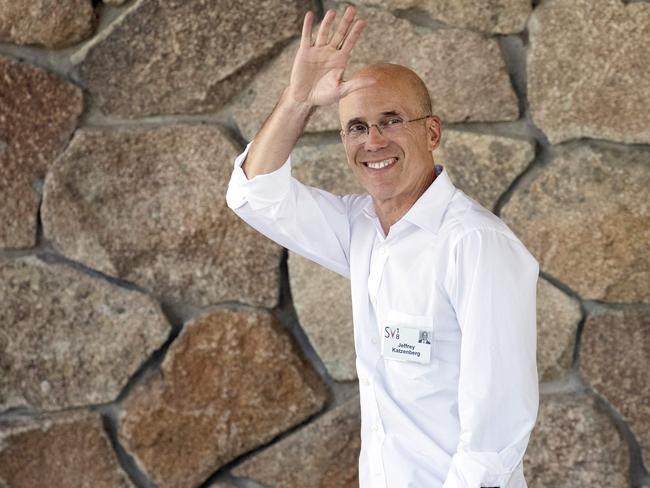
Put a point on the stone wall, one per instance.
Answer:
(150, 338)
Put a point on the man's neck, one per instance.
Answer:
(391, 210)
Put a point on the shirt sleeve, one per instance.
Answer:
(308, 221)
(494, 295)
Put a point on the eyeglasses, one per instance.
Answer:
(357, 133)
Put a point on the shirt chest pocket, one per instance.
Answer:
(407, 347)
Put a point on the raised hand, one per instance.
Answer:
(316, 76)
(316, 80)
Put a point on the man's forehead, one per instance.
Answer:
(369, 104)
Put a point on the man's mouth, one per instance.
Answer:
(384, 163)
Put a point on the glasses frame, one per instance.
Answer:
(368, 127)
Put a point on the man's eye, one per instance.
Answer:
(357, 129)
(391, 123)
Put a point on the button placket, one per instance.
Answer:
(377, 265)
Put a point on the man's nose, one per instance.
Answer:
(375, 139)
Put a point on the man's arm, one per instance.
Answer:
(494, 294)
(316, 80)
(309, 221)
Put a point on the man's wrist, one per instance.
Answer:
(295, 108)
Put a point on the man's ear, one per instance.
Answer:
(434, 132)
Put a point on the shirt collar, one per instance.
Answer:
(428, 210)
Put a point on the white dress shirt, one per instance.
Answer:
(448, 266)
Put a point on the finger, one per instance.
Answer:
(354, 34)
(344, 26)
(305, 40)
(324, 30)
(354, 84)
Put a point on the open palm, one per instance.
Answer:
(316, 76)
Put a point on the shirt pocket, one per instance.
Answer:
(397, 370)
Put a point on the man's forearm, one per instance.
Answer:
(277, 137)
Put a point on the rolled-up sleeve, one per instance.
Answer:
(494, 294)
(260, 192)
(309, 221)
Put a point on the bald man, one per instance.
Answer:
(443, 293)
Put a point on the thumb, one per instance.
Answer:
(349, 86)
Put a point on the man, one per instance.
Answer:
(424, 337)
(422, 257)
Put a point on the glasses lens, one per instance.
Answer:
(357, 132)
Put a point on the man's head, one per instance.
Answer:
(397, 94)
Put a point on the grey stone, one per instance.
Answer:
(502, 17)
(63, 449)
(38, 112)
(557, 325)
(483, 166)
(324, 307)
(67, 339)
(171, 56)
(475, 85)
(148, 205)
(231, 381)
(589, 70)
(586, 219)
(615, 360)
(325, 166)
(50, 23)
(575, 443)
(324, 454)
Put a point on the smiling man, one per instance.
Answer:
(443, 293)
(394, 163)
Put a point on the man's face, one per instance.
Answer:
(407, 152)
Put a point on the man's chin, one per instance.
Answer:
(380, 196)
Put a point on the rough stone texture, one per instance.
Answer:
(326, 167)
(483, 166)
(191, 57)
(575, 443)
(230, 382)
(557, 324)
(65, 449)
(50, 23)
(67, 339)
(325, 454)
(38, 112)
(500, 17)
(114, 2)
(475, 85)
(148, 206)
(324, 307)
(589, 70)
(314, 288)
(615, 360)
(586, 219)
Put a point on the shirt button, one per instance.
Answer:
(374, 340)
(375, 427)
(365, 382)
(373, 297)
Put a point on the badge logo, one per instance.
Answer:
(390, 333)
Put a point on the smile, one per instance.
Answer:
(380, 164)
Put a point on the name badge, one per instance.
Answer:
(407, 343)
